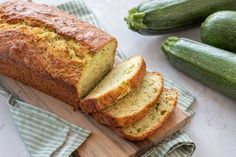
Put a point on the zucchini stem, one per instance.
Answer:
(168, 44)
(135, 19)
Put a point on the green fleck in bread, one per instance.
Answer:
(134, 106)
(154, 119)
(120, 81)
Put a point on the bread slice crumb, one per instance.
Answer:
(120, 81)
(154, 119)
(133, 107)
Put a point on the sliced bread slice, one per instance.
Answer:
(121, 80)
(133, 107)
(154, 119)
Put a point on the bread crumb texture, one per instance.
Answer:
(119, 76)
(138, 99)
(155, 116)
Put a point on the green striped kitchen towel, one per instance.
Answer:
(44, 134)
(179, 144)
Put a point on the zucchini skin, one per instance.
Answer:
(165, 16)
(211, 66)
(219, 30)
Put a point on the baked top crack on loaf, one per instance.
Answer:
(134, 106)
(153, 120)
(121, 80)
(53, 51)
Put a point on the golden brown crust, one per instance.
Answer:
(55, 19)
(90, 105)
(21, 59)
(105, 118)
(151, 132)
(41, 81)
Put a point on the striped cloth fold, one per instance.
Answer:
(179, 144)
(44, 134)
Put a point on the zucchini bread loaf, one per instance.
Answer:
(53, 51)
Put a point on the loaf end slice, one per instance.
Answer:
(120, 81)
(134, 105)
(153, 120)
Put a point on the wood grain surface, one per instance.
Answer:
(103, 142)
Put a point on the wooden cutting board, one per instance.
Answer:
(103, 142)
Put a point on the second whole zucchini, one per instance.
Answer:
(219, 30)
(212, 66)
(163, 16)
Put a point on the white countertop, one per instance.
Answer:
(213, 127)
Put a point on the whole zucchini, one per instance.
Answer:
(212, 66)
(219, 30)
(163, 16)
